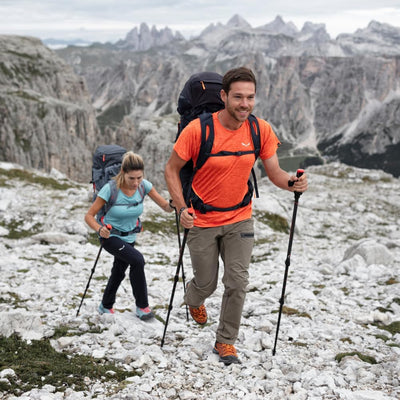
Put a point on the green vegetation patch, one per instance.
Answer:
(368, 359)
(393, 328)
(16, 232)
(27, 176)
(274, 221)
(391, 281)
(155, 224)
(37, 364)
(12, 299)
(293, 311)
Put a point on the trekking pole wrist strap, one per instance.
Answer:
(182, 210)
(98, 231)
(170, 204)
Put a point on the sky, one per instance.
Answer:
(111, 20)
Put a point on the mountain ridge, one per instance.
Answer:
(326, 99)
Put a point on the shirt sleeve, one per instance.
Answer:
(147, 186)
(269, 141)
(105, 192)
(188, 144)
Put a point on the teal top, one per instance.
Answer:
(122, 215)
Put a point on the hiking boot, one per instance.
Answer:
(199, 314)
(144, 313)
(103, 310)
(227, 353)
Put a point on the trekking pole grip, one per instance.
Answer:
(299, 173)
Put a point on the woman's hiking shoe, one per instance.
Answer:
(199, 314)
(227, 353)
(144, 313)
(103, 310)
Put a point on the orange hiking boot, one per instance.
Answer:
(227, 353)
(199, 314)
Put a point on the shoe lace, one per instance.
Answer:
(225, 349)
(200, 312)
(146, 310)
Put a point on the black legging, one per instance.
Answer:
(125, 254)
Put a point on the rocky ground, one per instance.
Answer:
(339, 335)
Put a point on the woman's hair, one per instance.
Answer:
(241, 74)
(130, 162)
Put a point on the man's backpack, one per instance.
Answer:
(107, 161)
(199, 98)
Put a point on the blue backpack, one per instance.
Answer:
(107, 161)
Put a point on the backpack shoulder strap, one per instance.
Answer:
(206, 144)
(113, 196)
(255, 134)
(142, 191)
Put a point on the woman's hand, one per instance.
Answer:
(104, 231)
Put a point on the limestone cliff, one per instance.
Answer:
(46, 116)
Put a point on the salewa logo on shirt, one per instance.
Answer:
(245, 144)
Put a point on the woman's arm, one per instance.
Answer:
(90, 218)
(160, 201)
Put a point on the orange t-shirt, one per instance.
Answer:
(222, 181)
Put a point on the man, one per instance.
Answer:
(222, 183)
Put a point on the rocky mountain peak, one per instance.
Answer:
(238, 22)
(278, 25)
(145, 38)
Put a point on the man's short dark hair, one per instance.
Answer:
(241, 74)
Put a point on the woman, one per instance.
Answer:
(123, 218)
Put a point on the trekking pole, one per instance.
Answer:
(176, 278)
(287, 262)
(183, 272)
(90, 277)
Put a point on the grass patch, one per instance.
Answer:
(64, 330)
(30, 177)
(384, 309)
(100, 278)
(382, 337)
(257, 259)
(23, 270)
(15, 230)
(267, 240)
(391, 281)
(38, 364)
(368, 359)
(345, 290)
(93, 238)
(274, 221)
(12, 300)
(299, 344)
(155, 224)
(293, 311)
(162, 259)
(392, 328)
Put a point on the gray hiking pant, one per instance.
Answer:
(234, 243)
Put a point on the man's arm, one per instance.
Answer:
(280, 178)
(172, 169)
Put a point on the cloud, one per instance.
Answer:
(109, 20)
